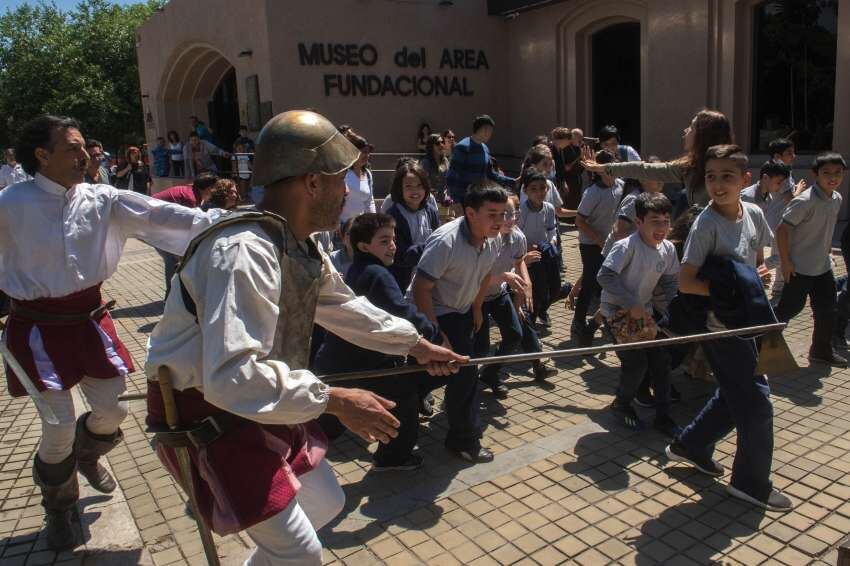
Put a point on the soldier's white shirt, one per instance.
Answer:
(234, 277)
(56, 241)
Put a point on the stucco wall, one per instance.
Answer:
(198, 34)
(391, 122)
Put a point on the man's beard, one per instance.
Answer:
(327, 211)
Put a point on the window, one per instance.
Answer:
(794, 73)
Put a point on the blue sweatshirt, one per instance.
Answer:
(470, 164)
(368, 277)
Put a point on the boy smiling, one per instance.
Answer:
(736, 230)
(804, 239)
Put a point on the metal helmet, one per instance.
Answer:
(299, 142)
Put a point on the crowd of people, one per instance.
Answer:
(457, 245)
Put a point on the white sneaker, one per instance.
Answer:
(776, 501)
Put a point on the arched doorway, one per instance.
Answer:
(223, 111)
(201, 82)
(616, 80)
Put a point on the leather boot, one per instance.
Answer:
(59, 494)
(89, 447)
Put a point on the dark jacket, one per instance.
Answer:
(737, 298)
(407, 253)
(368, 278)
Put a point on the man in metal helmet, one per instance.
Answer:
(235, 338)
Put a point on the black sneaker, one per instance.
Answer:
(566, 288)
(476, 456)
(500, 390)
(413, 462)
(627, 415)
(678, 453)
(832, 358)
(667, 426)
(545, 321)
(543, 371)
(645, 399)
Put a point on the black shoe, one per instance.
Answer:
(831, 358)
(545, 321)
(627, 415)
(542, 371)
(645, 399)
(839, 342)
(566, 288)
(667, 426)
(499, 389)
(413, 462)
(476, 456)
(675, 395)
(678, 453)
(426, 406)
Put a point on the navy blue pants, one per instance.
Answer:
(652, 364)
(170, 262)
(462, 408)
(514, 333)
(821, 292)
(742, 403)
(591, 261)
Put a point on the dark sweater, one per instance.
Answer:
(470, 164)
(407, 253)
(369, 278)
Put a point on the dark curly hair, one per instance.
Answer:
(38, 133)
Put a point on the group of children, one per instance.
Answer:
(502, 261)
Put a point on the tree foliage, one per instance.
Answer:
(80, 63)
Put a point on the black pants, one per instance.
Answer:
(821, 291)
(461, 397)
(591, 261)
(514, 331)
(655, 364)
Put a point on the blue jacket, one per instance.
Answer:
(470, 164)
(407, 254)
(369, 278)
(737, 298)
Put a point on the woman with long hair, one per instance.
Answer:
(436, 163)
(707, 128)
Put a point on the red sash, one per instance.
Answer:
(247, 475)
(57, 354)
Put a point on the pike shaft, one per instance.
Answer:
(554, 354)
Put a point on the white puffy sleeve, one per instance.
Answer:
(164, 225)
(358, 321)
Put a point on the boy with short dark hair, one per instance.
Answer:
(729, 228)
(508, 308)
(804, 239)
(629, 276)
(452, 273)
(538, 222)
(372, 238)
(596, 215)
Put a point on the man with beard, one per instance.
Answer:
(235, 337)
(60, 238)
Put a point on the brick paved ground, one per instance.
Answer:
(567, 486)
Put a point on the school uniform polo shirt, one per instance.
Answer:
(771, 204)
(455, 266)
(599, 206)
(514, 248)
(812, 215)
(739, 239)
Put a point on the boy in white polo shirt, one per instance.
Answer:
(629, 276)
(453, 271)
(804, 239)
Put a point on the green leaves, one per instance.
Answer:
(80, 63)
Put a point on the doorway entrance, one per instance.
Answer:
(223, 111)
(615, 83)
